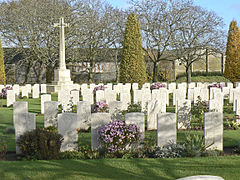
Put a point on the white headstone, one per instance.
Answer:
(216, 104)
(43, 88)
(183, 111)
(191, 85)
(154, 107)
(75, 96)
(44, 98)
(92, 86)
(24, 90)
(100, 96)
(146, 96)
(67, 127)
(87, 96)
(35, 93)
(16, 89)
(50, 113)
(137, 96)
(213, 130)
(24, 122)
(136, 118)
(98, 120)
(84, 87)
(179, 94)
(109, 86)
(166, 129)
(11, 97)
(115, 108)
(125, 98)
(110, 95)
(84, 114)
(29, 88)
(135, 86)
(19, 107)
(171, 87)
(64, 98)
(146, 86)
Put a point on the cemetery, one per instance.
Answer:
(133, 117)
(190, 128)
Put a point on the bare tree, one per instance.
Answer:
(159, 24)
(98, 24)
(27, 26)
(199, 29)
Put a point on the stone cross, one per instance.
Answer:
(61, 26)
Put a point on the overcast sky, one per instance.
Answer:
(227, 9)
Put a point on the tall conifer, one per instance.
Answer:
(2, 67)
(232, 62)
(132, 68)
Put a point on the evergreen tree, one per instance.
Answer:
(2, 68)
(132, 68)
(232, 62)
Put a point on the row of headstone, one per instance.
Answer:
(68, 122)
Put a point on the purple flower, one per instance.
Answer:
(3, 94)
(101, 106)
(216, 85)
(157, 85)
(116, 135)
(101, 87)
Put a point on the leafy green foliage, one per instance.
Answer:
(3, 147)
(170, 151)
(132, 108)
(232, 63)
(197, 112)
(132, 68)
(40, 144)
(84, 152)
(2, 67)
(194, 145)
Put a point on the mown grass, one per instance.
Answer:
(161, 169)
(204, 79)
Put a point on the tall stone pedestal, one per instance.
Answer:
(62, 77)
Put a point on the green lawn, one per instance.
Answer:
(226, 167)
(204, 79)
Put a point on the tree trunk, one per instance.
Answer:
(28, 73)
(117, 68)
(154, 71)
(206, 60)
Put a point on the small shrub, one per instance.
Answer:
(170, 151)
(84, 152)
(40, 144)
(194, 145)
(51, 129)
(213, 153)
(9, 130)
(132, 108)
(231, 123)
(3, 148)
(101, 106)
(117, 136)
(198, 111)
(72, 155)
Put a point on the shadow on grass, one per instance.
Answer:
(163, 169)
